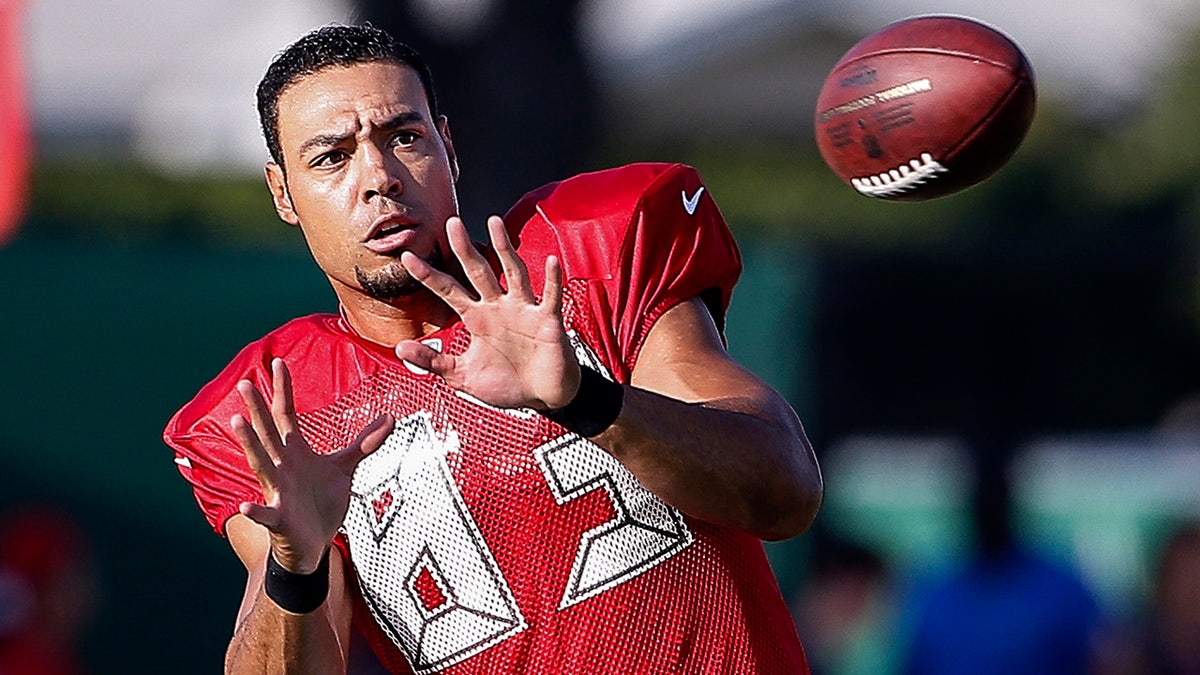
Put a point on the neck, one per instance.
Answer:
(390, 323)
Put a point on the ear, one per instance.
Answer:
(443, 127)
(277, 182)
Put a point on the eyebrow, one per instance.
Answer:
(329, 140)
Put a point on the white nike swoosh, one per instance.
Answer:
(184, 462)
(690, 203)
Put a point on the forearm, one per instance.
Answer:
(269, 640)
(741, 462)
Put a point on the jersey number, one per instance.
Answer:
(448, 600)
(642, 533)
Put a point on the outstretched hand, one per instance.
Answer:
(306, 495)
(519, 354)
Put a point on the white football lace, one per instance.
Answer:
(901, 179)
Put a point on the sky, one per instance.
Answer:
(157, 72)
(1088, 50)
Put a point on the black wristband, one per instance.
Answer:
(595, 406)
(297, 593)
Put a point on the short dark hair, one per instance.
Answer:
(327, 47)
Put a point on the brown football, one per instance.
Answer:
(925, 107)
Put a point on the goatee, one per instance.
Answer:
(393, 281)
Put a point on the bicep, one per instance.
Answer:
(685, 358)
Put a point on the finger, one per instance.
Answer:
(552, 289)
(416, 353)
(283, 404)
(256, 456)
(514, 268)
(260, 418)
(441, 284)
(426, 358)
(368, 440)
(474, 265)
(266, 516)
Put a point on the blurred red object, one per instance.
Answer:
(47, 592)
(15, 139)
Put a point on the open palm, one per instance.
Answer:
(305, 494)
(519, 354)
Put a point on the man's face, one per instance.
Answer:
(369, 174)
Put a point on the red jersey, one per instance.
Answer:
(486, 540)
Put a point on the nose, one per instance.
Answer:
(381, 177)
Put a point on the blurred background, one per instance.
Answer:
(1003, 385)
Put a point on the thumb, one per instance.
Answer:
(417, 354)
(266, 516)
(367, 441)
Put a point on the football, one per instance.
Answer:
(924, 107)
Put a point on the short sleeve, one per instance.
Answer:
(207, 454)
(642, 238)
(678, 247)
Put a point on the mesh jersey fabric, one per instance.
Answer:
(493, 541)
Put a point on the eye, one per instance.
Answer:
(331, 158)
(405, 138)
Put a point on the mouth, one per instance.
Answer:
(389, 233)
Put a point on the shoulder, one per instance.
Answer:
(611, 198)
(593, 220)
(296, 337)
(612, 192)
(633, 242)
